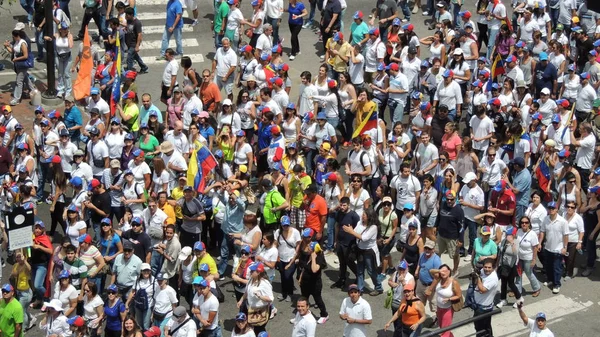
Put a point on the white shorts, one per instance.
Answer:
(189, 4)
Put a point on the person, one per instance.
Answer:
(242, 328)
(21, 273)
(114, 312)
(130, 327)
(449, 225)
(486, 286)
(206, 310)
(99, 205)
(144, 288)
(447, 291)
(20, 50)
(126, 268)
(507, 266)
(55, 321)
(411, 312)
(356, 312)
(399, 279)
(193, 215)
(472, 200)
(11, 320)
(93, 308)
(180, 324)
(63, 44)
(528, 253)
(484, 247)
(41, 254)
(538, 326)
(258, 296)
(165, 302)
(429, 263)
(555, 231)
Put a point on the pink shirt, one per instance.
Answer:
(450, 144)
(174, 111)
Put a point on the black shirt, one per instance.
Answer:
(134, 27)
(38, 12)
(583, 50)
(437, 129)
(333, 7)
(141, 243)
(307, 274)
(350, 218)
(449, 221)
(386, 9)
(102, 202)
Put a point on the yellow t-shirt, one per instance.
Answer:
(177, 193)
(133, 111)
(340, 65)
(22, 278)
(170, 212)
(212, 265)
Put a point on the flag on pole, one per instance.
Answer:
(83, 82)
(369, 122)
(115, 97)
(201, 163)
(497, 70)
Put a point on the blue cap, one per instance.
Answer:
(203, 267)
(263, 334)
(197, 280)
(381, 66)
(264, 56)
(246, 248)
(137, 152)
(425, 64)
(396, 22)
(72, 208)
(585, 75)
(106, 221)
(291, 106)
(552, 204)
(483, 59)
(218, 153)
(113, 287)
(543, 56)
(40, 223)
(285, 220)
(128, 136)
(199, 245)
(64, 274)
(18, 126)
(537, 115)
(115, 120)
(254, 3)
(240, 316)
(45, 122)
(137, 219)
(496, 86)
(84, 238)
(597, 43)
(402, 265)
(556, 118)
(256, 266)
(95, 91)
(144, 125)
(313, 245)
(409, 206)
(500, 185)
(278, 167)
(477, 83)
(188, 188)
(597, 171)
(594, 189)
(127, 172)
(22, 169)
(577, 29)
(321, 115)
(53, 114)
(338, 36)
(203, 283)
(447, 73)
(424, 105)
(571, 67)
(415, 95)
(520, 44)
(7, 287)
(307, 232)
(153, 113)
(195, 112)
(293, 145)
(540, 315)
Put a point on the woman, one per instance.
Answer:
(422, 121)
(156, 129)
(242, 328)
(439, 171)
(241, 272)
(466, 159)
(247, 112)
(347, 93)
(536, 212)
(568, 191)
(363, 106)
(258, 297)
(507, 267)
(399, 146)
(93, 309)
(226, 143)
(575, 230)
(428, 208)
(437, 48)
(558, 59)
(131, 327)
(149, 144)
(195, 139)
(57, 197)
(504, 44)
(447, 291)
(331, 103)
(110, 245)
(460, 68)
(139, 168)
(66, 149)
(63, 44)
(297, 12)
(368, 253)
(411, 312)
(228, 117)
(114, 138)
(528, 251)
(507, 96)
(133, 194)
(55, 322)
(189, 73)
(321, 81)
(399, 279)
(449, 183)
(58, 257)
(114, 313)
(381, 82)
(160, 177)
(246, 66)
(332, 193)
(268, 255)
(103, 76)
(22, 61)
(359, 197)
(571, 84)
(387, 221)
(287, 243)
(21, 276)
(147, 283)
(291, 158)
(175, 106)
(75, 227)
(291, 124)
(538, 46)
(451, 142)
(251, 234)
(97, 122)
(26, 160)
(311, 262)
(256, 24)
(413, 247)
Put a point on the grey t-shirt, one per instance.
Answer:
(192, 208)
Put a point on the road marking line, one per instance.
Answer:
(159, 29)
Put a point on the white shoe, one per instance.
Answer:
(556, 290)
(194, 23)
(292, 57)
(520, 300)
(501, 304)
(548, 284)
(568, 278)
(467, 258)
(32, 322)
(323, 320)
(273, 313)
(425, 13)
(292, 321)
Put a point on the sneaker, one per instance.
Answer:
(568, 278)
(322, 58)
(381, 277)
(306, 25)
(323, 320)
(273, 313)
(292, 57)
(556, 290)
(337, 284)
(281, 297)
(376, 293)
(194, 23)
(32, 322)
(143, 71)
(329, 252)
(548, 284)
(14, 102)
(49, 201)
(78, 38)
(425, 13)
(288, 299)
(160, 58)
(405, 20)
(415, 9)
(520, 300)
(501, 304)
(292, 321)
(281, 39)
(467, 258)
(218, 259)
(587, 272)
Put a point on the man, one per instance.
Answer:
(129, 113)
(298, 182)
(585, 153)
(203, 257)
(583, 46)
(345, 241)
(307, 90)
(513, 71)
(210, 95)
(96, 101)
(503, 203)
(94, 9)
(155, 219)
(486, 285)
(147, 107)
(449, 225)
(264, 43)
(556, 131)
(165, 301)
(126, 268)
(174, 161)
(99, 205)
(168, 251)
(538, 326)
(173, 26)
(81, 169)
(97, 153)
(426, 158)
(76, 269)
(427, 266)
(220, 22)
(356, 66)
(274, 204)
(179, 140)
(280, 96)
(207, 311)
(193, 215)
(411, 64)
(72, 119)
(193, 103)
(593, 68)
(482, 129)
(358, 159)
(305, 323)
(356, 311)
(398, 92)
(180, 322)
(340, 51)
(316, 211)
(276, 147)
(585, 98)
(133, 40)
(223, 67)
(545, 76)
(449, 93)
(46, 151)
(11, 320)
(496, 11)
(405, 188)
(386, 12)
(141, 242)
(520, 186)
(555, 230)
(233, 222)
(330, 21)
(266, 95)
(472, 200)
(273, 11)
(169, 76)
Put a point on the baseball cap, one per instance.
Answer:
(199, 245)
(381, 66)
(402, 265)
(353, 287)
(358, 15)
(396, 22)
(409, 206)
(76, 321)
(338, 36)
(477, 84)
(465, 14)
(500, 185)
(85, 238)
(510, 59)
(112, 287)
(203, 267)
(425, 106)
(307, 233)
(511, 231)
(448, 73)
(556, 118)
(240, 316)
(545, 91)
(40, 223)
(146, 266)
(450, 194)
(563, 102)
(518, 161)
(543, 56)
(564, 153)
(64, 274)
(486, 230)
(495, 101)
(520, 44)
(153, 332)
(246, 249)
(552, 204)
(179, 311)
(409, 27)
(585, 75)
(470, 176)
(540, 315)
(537, 116)
(95, 91)
(257, 266)
(246, 48)
(393, 66)
(374, 31)
(285, 220)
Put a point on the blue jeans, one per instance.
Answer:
(452, 114)
(554, 267)
(39, 42)
(28, 7)
(44, 174)
(472, 226)
(161, 324)
(554, 14)
(405, 10)
(275, 23)
(63, 73)
(455, 11)
(311, 14)
(396, 109)
(218, 39)
(133, 56)
(331, 230)
(368, 261)
(334, 121)
(382, 33)
(167, 37)
(212, 333)
(227, 247)
(64, 5)
(143, 318)
(527, 270)
(156, 262)
(520, 211)
(97, 230)
(493, 33)
(38, 272)
(25, 298)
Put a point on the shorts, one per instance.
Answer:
(384, 250)
(163, 92)
(262, 165)
(446, 245)
(228, 85)
(429, 221)
(297, 217)
(191, 4)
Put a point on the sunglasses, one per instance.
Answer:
(112, 293)
(524, 222)
(491, 155)
(5, 292)
(106, 225)
(128, 250)
(407, 291)
(245, 253)
(357, 181)
(450, 199)
(387, 204)
(442, 159)
(135, 224)
(570, 207)
(572, 182)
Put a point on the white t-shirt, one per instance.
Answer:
(66, 154)
(97, 151)
(494, 169)
(159, 181)
(574, 226)
(73, 232)
(65, 296)
(406, 189)
(225, 60)
(481, 128)
(304, 326)
(50, 137)
(208, 306)
(89, 308)
(359, 160)
(241, 154)
(360, 310)
(527, 29)
(115, 144)
(139, 171)
(264, 44)
(472, 196)
(585, 152)
(356, 70)
(150, 285)
(180, 142)
(404, 222)
(498, 10)
(170, 70)
(426, 155)
(554, 230)
(177, 160)
(535, 331)
(526, 243)
(132, 192)
(357, 204)
(233, 20)
(490, 282)
(375, 51)
(306, 104)
(165, 298)
(287, 247)
(269, 255)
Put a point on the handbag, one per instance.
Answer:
(457, 305)
(160, 316)
(106, 268)
(258, 317)
(389, 297)
(249, 194)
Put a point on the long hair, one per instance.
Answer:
(136, 326)
(372, 219)
(60, 179)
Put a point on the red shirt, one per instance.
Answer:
(315, 210)
(505, 201)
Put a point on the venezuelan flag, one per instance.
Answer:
(497, 70)
(368, 122)
(201, 163)
(116, 72)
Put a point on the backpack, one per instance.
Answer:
(198, 78)
(140, 299)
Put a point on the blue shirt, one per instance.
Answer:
(234, 215)
(173, 9)
(264, 136)
(426, 264)
(545, 77)
(113, 315)
(112, 249)
(73, 118)
(295, 10)
(207, 131)
(522, 182)
(145, 114)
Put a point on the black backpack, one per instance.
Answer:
(140, 299)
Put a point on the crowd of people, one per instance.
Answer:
(498, 142)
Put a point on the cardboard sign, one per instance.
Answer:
(19, 228)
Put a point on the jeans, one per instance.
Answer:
(22, 78)
(310, 161)
(227, 247)
(455, 11)
(219, 37)
(64, 5)
(311, 14)
(367, 261)
(527, 270)
(507, 282)
(520, 211)
(133, 56)
(396, 109)
(483, 327)
(161, 324)
(216, 332)
(25, 298)
(491, 41)
(38, 272)
(405, 10)
(28, 7)
(472, 227)
(383, 33)
(334, 121)
(44, 174)
(39, 42)
(143, 318)
(156, 262)
(275, 23)
(554, 267)
(167, 37)
(63, 67)
(330, 230)
(554, 14)
(591, 250)
(98, 16)
(287, 278)
(97, 230)
(117, 212)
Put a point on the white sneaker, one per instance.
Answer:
(548, 284)
(292, 57)
(556, 290)
(194, 23)
(32, 322)
(587, 272)
(425, 13)
(501, 304)
(273, 313)
(467, 258)
(323, 320)
(568, 278)
(292, 321)
(520, 300)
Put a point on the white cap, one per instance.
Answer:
(227, 101)
(19, 26)
(145, 266)
(185, 252)
(55, 304)
(458, 51)
(470, 176)
(545, 91)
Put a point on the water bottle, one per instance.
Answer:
(579, 251)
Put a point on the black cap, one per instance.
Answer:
(63, 132)
(412, 50)
(298, 168)
(127, 244)
(267, 183)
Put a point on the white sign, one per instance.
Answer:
(20, 238)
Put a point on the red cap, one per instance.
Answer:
(56, 159)
(247, 48)
(410, 27)
(496, 101)
(275, 129)
(332, 177)
(285, 67)
(131, 74)
(331, 84)
(79, 322)
(153, 332)
(358, 15)
(277, 81)
(266, 109)
(94, 183)
(129, 94)
(565, 103)
(394, 66)
(374, 32)
(466, 15)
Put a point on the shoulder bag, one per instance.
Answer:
(457, 305)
